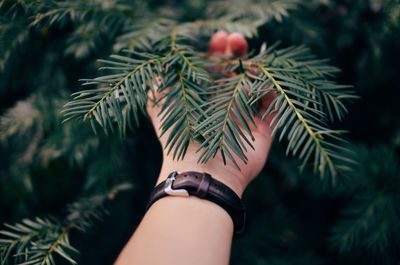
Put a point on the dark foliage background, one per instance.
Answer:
(293, 218)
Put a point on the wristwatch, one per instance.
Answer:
(202, 185)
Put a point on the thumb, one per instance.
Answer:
(154, 102)
(267, 104)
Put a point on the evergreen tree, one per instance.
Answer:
(342, 205)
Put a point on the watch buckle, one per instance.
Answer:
(174, 192)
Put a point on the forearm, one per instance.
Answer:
(181, 230)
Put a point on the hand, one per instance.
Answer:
(229, 45)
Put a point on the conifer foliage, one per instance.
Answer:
(214, 111)
(113, 56)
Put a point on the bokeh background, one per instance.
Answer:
(293, 218)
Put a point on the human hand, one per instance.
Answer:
(233, 45)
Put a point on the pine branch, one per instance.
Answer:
(13, 34)
(209, 26)
(92, 36)
(258, 11)
(314, 73)
(182, 104)
(239, 16)
(369, 222)
(182, 76)
(42, 251)
(37, 241)
(305, 98)
(143, 34)
(85, 210)
(370, 219)
(60, 13)
(83, 15)
(301, 125)
(20, 119)
(20, 235)
(135, 77)
(302, 102)
(227, 111)
(49, 13)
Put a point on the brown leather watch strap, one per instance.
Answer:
(202, 185)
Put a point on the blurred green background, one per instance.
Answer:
(292, 218)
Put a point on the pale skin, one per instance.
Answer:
(189, 230)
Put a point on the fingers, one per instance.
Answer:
(232, 45)
(237, 45)
(152, 108)
(266, 101)
(218, 43)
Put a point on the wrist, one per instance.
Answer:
(221, 173)
(202, 185)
